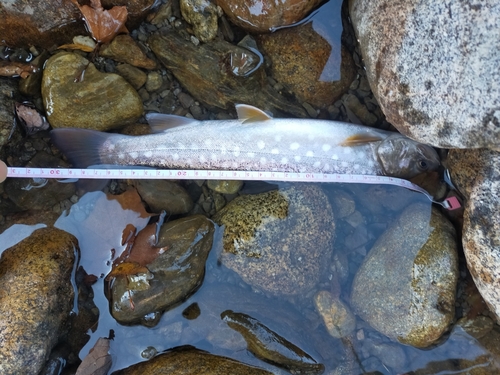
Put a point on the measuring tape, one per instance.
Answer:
(450, 203)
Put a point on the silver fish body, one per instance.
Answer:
(255, 141)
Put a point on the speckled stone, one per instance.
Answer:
(278, 241)
(36, 298)
(202, 15)
(337, 316)
(7, 89)
(476, 173)
(405, 287)
(164, 195)
(225, 186)
(433, 66)
(101, 101)
(191, 362)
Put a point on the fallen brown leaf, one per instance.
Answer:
(12, 69)
(103, 24)
(30, 118)
(131, 200)
(81, 47)
(98, 361)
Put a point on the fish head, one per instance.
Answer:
(405, 158)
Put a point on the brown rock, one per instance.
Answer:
(208, 77)
(300, 60)
(191, 362)
(100, 101)
(35, 299)
(53, 22)
(125, 49)
(264, 15)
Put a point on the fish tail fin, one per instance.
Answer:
(82, 147)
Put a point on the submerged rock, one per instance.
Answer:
(337, 316)
(309, 60)
(164, 195)
(175, 274)
(8, 88)
(36, 298)
(433, 67)
(191, 361)
(280, 241)
(99, 101)
(405, 287)
(202, 15)
(263, 16)
(271, 346)
(125, 49)
(476, 173)
(39, 193)
(209, 78)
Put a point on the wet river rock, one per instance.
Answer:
(164, 195)
(53, 22)
(99, 101)
(262, 16)
(36, 298)
(8, 88)
(405, 287)
(39, 193)
(270, 346)
(191, 361)
(169, 279)
(412, 51)
(208, 76)
(279, 241)
(310, 62)
(337, 316)
(476, 173)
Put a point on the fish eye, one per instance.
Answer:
(422, 164)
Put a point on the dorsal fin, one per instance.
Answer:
(160, 122)
(359, 139)
(248, 113)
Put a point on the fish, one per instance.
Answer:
(255, 141)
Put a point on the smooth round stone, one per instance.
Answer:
(262, 16)
(191, 361)
(225, 186)
(125, 49)
(337, 316)
(99, 101)
(36, 298)
(279, 241)
(405, 287)
(164, 195)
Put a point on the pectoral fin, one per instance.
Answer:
(248, 113)
(359, 140)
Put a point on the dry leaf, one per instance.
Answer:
(131, 200)
(98, 361)
(103, 24)
(12, 69)
(30, 118)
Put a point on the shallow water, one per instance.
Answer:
(295, 318)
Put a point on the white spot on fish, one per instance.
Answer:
(261, 144)
(236, 151)
(207, 142)
(180, 146)
(223, 150)
(356, 166)
(284, 160)
(202, 158)
(235, 164)
(111, 147)
(316, 164)
(326, 167)
(344, 164)
(275, 151)
(251, 154)
(148, 154)
(335, 157)
(347, 150)
(371, 163)
(263, 160)
(310, 154)
(294, 146)
(296, 158)
(194, 146)
(175, 156)
(121, 156)
(326, 147)
(133, 155)
(278, 138)
(213, 156)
